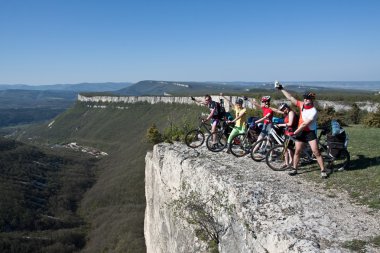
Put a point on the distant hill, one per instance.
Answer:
(24, 104)
(80, 87)
(161, 88)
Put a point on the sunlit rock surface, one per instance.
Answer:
(249, 207)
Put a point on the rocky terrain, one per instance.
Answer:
(198, 201)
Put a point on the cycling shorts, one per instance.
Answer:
(214, 121)
(306, 136)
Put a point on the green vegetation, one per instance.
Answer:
(11, 117)
(355, 245)
(359, 245)
(40, 194)
(114, 206)
(362, 179)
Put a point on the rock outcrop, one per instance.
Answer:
(338, 106)
(198, 201)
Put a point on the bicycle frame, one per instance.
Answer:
(275, 136)
(203, 125)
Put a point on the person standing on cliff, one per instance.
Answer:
(306, 130)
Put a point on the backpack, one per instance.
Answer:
(336, 129)
(220, 110)
(337, 139)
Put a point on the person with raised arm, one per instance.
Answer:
(214, 115)
(306, 129)
(266, 119)
(239, 120)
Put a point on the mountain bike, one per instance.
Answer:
(196, 137)
(276, 156)
(261, 147)
(218, 142)
(242, 143)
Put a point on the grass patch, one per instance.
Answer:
(362, 179)
(355, 245)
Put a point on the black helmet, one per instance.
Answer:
(282, 106)
(239, 101)
(309, 95)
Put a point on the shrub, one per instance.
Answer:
(372, 119)
(153, 135)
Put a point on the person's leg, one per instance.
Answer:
(297, 153)
(289, 153)
(234, 132)
(213, 130)
(264, 133)
(299, 145)
(314, 147)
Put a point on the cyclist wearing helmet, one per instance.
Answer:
(290, 118)
(290, 124)
(213, 116)
(267, 115)
(306, 130)
(240, 119)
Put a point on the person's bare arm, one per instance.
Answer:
(254, 102)
(288, 96)
(302, 126)
(198, 101)
(277, 110)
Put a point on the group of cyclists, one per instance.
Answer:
(302, 128)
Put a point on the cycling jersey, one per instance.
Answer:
(213, 105)
(267, 110)
(240, 111)
(307, 114)
(293, 127)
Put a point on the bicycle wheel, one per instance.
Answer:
(276, 158)
(219, 144)
(240, 145)
(342, 161)
(260, 149)
(194, 138)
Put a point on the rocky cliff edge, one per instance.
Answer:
(198, 201)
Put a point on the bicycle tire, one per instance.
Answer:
(275, 158)
(195, 138)
(221, 142)
(342, 161)
(262, 146)
(240, 145)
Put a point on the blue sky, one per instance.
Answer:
(73, 41)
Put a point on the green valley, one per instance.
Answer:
(114, 206)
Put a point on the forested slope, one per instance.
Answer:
(115, 205)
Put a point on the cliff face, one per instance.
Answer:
(367, 106)
(198, 201)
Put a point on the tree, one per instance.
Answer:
(153, 135)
